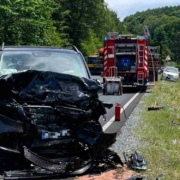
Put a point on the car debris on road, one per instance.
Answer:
(136, 161)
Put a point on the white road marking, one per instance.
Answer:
(122, 109)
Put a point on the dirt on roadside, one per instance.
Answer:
(121, 173)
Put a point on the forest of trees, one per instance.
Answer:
(164, 27)
(83, 23)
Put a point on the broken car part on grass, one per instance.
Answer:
(155, 108)
(138, 177)
(136, 161)
(175, 123)
(49, 125)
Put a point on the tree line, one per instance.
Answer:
(82, 23)
(164, 28)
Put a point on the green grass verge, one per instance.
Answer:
(160, 140)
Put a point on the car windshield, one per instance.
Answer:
(170, 69)
(60, 62)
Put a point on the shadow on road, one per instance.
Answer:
(130, 90)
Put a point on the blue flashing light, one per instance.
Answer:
(125, 62)
(105, 38)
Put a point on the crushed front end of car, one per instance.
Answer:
(49, 125)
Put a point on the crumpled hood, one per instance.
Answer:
(48, 87)
(50, 120)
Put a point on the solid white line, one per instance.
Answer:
(122, 109)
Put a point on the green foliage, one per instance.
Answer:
(159, 138)
(25, 22)
(164, 27)
(83, 23)
(91, 44)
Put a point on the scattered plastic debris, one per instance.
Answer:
(136, 161)
(175, 123)
(138, 177)
(155, 108)
(159, 177)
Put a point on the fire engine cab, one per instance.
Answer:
(125, 59)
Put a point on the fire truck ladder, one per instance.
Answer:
(141, 54)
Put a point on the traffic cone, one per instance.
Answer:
(117, 112)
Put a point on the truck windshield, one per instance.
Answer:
(60, 62)
(126, 63)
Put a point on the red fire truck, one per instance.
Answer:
(126, 61)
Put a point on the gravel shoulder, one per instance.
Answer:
(126, 141)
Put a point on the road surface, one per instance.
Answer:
(128, 101)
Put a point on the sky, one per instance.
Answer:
(127, 7)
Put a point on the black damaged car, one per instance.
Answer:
(49, 112)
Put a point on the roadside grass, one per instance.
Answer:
(160, 140)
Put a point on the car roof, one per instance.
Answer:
(170, 67)
(40, 48)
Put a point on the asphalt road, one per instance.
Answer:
(128, 101)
